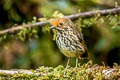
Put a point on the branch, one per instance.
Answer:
(73, 16)
(13, 72)
(108, 73)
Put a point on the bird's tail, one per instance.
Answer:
(84, 55)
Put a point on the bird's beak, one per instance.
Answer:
(52, 27)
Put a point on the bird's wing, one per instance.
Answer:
(78, 33)
(80, 36)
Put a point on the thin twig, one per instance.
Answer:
(73, 16)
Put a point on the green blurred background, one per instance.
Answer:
(102, 42)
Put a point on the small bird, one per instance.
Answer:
(69, 40)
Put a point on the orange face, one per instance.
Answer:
(60, 22)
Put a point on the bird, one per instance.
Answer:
(69, 39)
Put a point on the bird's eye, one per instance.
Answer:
(61, 23)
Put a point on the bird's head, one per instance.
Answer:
(61, 24)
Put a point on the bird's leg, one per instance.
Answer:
(67, 64)
(76, 62)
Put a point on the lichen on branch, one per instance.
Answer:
(82, 72)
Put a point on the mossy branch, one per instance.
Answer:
(73, 16)
(86, 71)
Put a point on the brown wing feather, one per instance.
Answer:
(81, 39)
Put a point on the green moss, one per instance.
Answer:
(87, 71)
